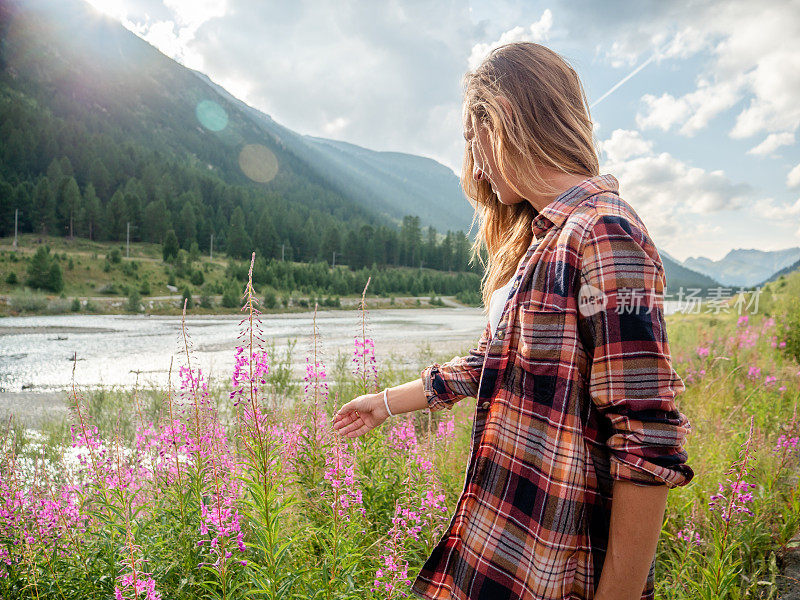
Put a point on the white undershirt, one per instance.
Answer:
(498, 301)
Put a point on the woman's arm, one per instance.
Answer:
(405, 398)
(439, 386)
(366, 412)
(632, 382)
(637, 513)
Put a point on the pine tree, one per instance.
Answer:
(239, 243)
(170, 247)
(69, 202)
(44, 272)
(90, 215)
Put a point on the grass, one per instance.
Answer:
(101, 286)
(238, 489)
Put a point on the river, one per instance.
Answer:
(36, 352)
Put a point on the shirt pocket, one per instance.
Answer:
(542, 337)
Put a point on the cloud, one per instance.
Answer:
(768, 209)
(692, 111)
(771, 143)
(665, 190)
(754, 59)
(535, 32)
(793, 178)
(624, 144)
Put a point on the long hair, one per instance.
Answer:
(549, 125)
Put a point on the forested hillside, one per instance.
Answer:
(105, 136)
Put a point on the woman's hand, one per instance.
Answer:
(360, 415)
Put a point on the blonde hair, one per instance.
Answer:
(549, 124)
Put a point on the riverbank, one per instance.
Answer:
(173, 305)
(119, 352)
(85, 277)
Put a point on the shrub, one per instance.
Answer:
(130, 269)
(109, 289)
(144, 288)
(27, 302)
(11, 278)
(270, 299)
(76, 305)
(230, 297)
(197, 278)
(186, 294)
(44, 272)
(134, 301)
(205, 299)
(194, 252)
(114, 257)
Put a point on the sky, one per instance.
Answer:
(696, 105)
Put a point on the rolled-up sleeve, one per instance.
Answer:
(632, 382)
(447, 383)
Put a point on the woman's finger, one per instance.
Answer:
(346, 409)
(360, 431)
(353, 425)
(345, 416)
(343, 413)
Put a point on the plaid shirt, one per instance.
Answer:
(570, 396)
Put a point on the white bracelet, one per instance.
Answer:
(386, 402)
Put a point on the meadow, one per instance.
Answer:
(241, 489)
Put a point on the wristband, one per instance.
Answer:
(386, 402)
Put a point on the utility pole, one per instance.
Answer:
(211, 255)
(334, 260)
(128, 241)
(16, 216)
(283, 248)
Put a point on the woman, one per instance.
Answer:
(573, 376)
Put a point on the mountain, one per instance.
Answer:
(100, 129)
(391, 183)
(678, 276)
(795, 266)
(744, 267)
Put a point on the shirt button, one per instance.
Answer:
(484, 405)
(500, 335)
(516, 284)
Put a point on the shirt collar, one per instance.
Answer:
(559, 209)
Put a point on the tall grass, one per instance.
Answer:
(241, 488)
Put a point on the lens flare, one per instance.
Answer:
(258, 163)
(211, 115)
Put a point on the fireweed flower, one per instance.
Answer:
(315, 390)
(241, 379)
(786, 443)
(392, 576)
(732, 501)
(703, 350)
(142, 586)
(690, 535)
(446, 428)
(344, 494)
(402, 436)
(365, 364)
